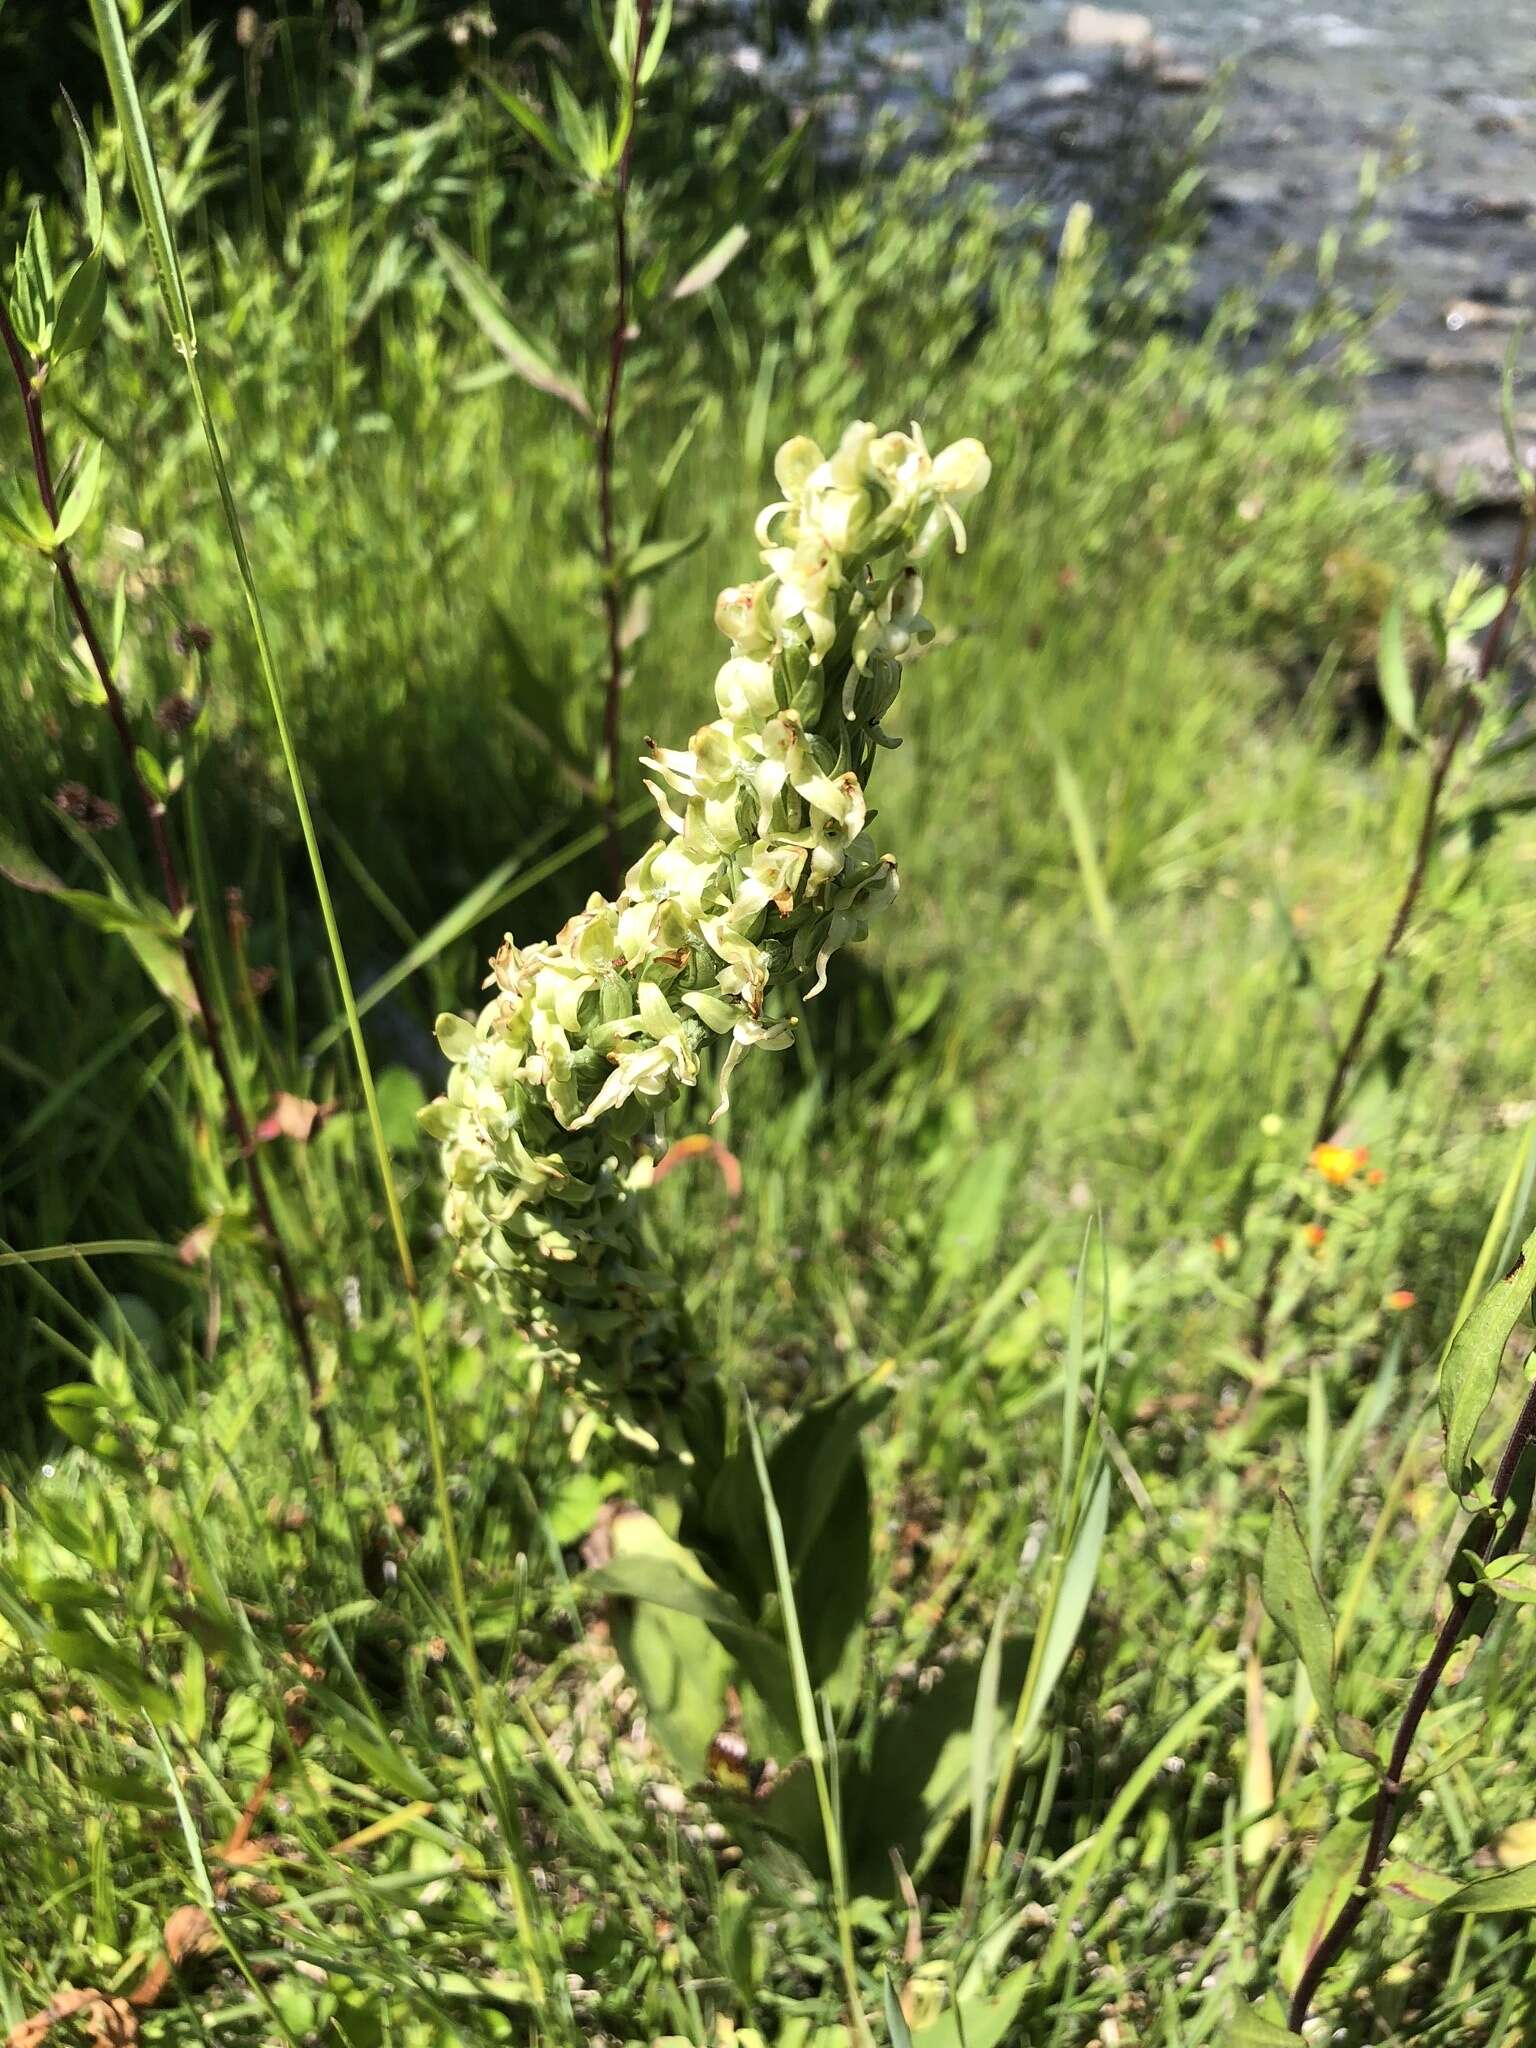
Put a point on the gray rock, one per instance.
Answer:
(1170, 76)
(1107, 28)
(1462, 314)
(1239, 190)
(1475, 473)
(1064, 85)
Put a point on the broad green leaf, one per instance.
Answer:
(919, 1778)
(401, 1100)
(666, 1582)
(488, 308)
(1512, 1891)
(809, 1463)
(123, 1788)
(679, 1665)
(712, 264)
(112, 914)
(1295, 1602)
(1392, 670)
(979, 2022)
(1331, 1879)
(1471, 1369)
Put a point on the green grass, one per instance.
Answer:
(1114, 1009)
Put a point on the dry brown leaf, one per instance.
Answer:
(110, 2021)
(190, 1933)
(199, 1242)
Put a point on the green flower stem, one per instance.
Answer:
(613, 596)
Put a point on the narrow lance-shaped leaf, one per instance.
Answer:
(1330, 1880)
(81, 495)
(1471, 1369)
(712, 264)
(93, 215)
(1295, 1602)
(984, 1733)
(1079, 1576)
(531, 122)
(82, 305)
(895, 2019)
(1512, 1891)
(493, 316)
(656, 42)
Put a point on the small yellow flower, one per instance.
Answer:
(1338, 1164)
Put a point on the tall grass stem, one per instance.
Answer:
(146, 180)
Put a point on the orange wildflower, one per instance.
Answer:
(1314, 1235)
(1338, 1164)
(1401, 1298)
(1375, 1177)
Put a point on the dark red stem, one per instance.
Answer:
(1389, 1795)
(613, 747)
(170, 880)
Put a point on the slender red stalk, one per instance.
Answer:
(613, 750)
(1389, 1795)
(1354, 1043)
(175, 895)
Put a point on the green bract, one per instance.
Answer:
(765, 871)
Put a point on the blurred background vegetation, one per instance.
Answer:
(1151, 822)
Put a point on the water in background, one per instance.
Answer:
(1308, 94)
